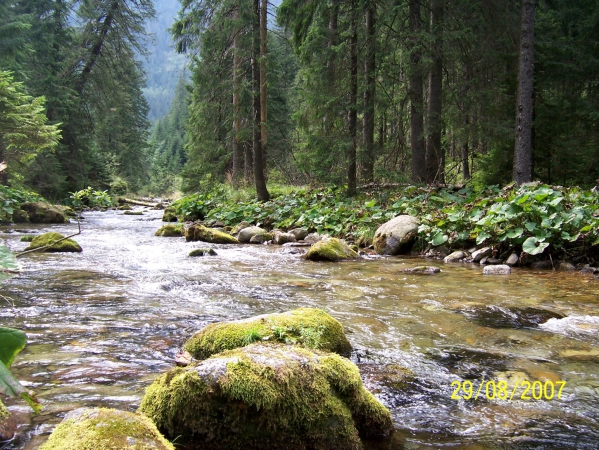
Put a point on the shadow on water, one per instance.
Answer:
(104, 323)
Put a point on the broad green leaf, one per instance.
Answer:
(370, 204)
(439, 239)
(11, 343)
(10, 386)
(482, 236)
(556, 201)
(514, 233)
(530, 226)
(533, 246)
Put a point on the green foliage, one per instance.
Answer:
(91, 198)
(11, 198)
(552, 216)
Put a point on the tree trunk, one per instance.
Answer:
(96, 49)
(416, 96)
(259, 178)
(353, 102)
(466, 155)
(435, 158)
(369, 81)
(263, 81)
(523, 148)
(237, 145)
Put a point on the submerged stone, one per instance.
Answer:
(397, 236)
(307, 327)
(512, 317)
(267, 396)
(500, 269)
(422, 270)
(171, 231)
(46, 239)
(201, 233)
(27, 238)
(331, 249)
(202, 252)
(133, 213)
(102, 428)
(40, 212)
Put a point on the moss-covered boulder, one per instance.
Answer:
(20, 216)
(125, 207)
(307, 327)
(109, 429)
(46, 239)
(27, 238)
(171, 231)
(40, 212)
(133, 213)
(396, 236)
(331, 249)
(201, 233)
(8, 424)
(169, 215)
(267, 396)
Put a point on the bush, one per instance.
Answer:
(92, 199)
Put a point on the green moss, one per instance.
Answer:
(40, 212)
(68, 245)
(169, 215)
(267, 396)
(4, 414)
(27, 238)
(125, 207)
(133, 213)
(171, 231)
(201, 233)
(332, 249)
(107, 429)
(240, 226)
(308, 327)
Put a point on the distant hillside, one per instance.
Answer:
(163, 66)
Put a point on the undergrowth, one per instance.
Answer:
(532, 217)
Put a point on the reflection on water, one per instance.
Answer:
(104, 323)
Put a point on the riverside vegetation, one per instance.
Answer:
(537, 219)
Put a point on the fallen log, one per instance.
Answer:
(137, 202)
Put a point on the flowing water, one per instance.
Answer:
(104, 323)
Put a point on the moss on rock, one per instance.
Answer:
(106, 429)
(169, 215)
(40, 212)
(27, 238)
(68, 245)
(133, 213)
(331, 249)
(201, 233)
(267, 396)
(20, 216)
(308, 327)
(202, 252)
(171, 231)
(4, 414)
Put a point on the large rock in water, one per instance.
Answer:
(246, 234)
(307, 327)
(47, 239)
(8, 424)
(171, 231)
(396, 236)
(331, 249)
(40, 212)
(201, 233)
(87, 428)
(266, 396)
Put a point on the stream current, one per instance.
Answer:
(103, 324)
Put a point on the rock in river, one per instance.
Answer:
(281, 238)
(8, 424)
(299, 233)
(455, 256)
(303, 326)
(396, 236)
(68, 245)
(267, 396)
(102, 428)
(171, 231)
(501, 269)
(246, 234)
(331, 249)
(422, 270)
(40, 212)
(201, 233)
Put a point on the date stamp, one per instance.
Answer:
(500, 390)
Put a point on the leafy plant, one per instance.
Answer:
(11, 341)
(253, 335)
(11, 198)
(91, 198)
